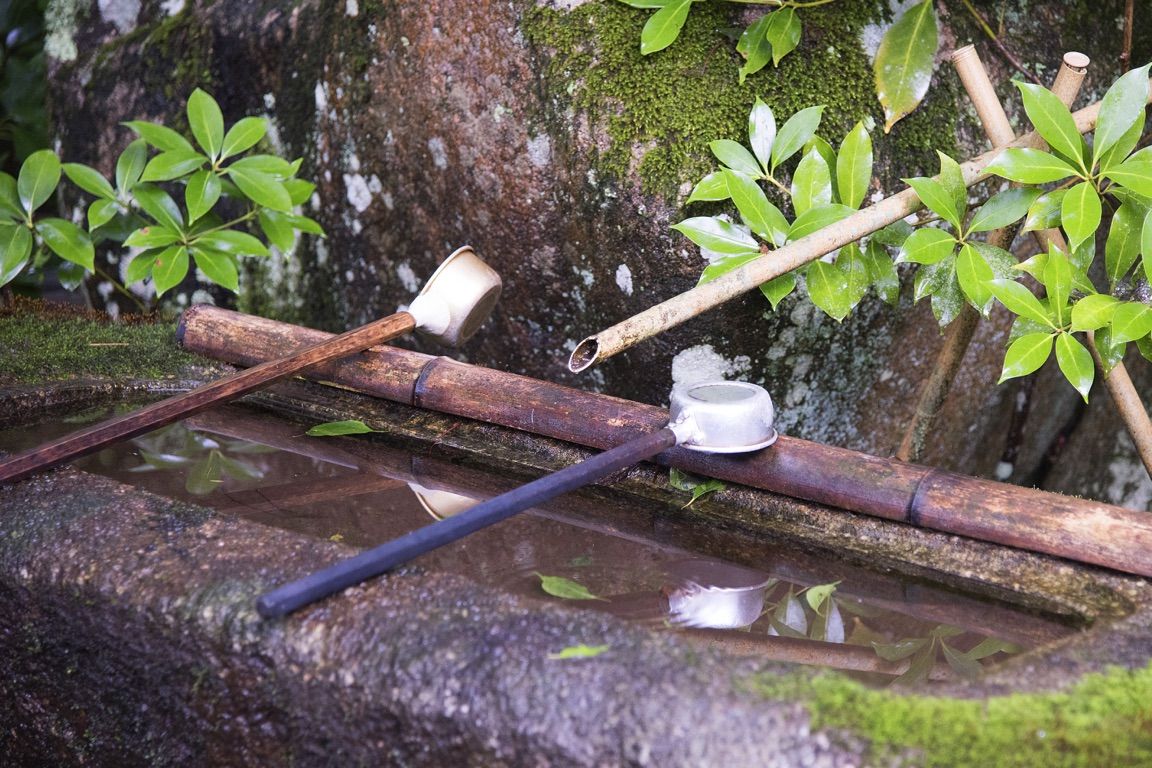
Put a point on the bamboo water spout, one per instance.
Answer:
(691, 303)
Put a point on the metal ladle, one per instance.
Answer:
(714, 417)
(451, 307)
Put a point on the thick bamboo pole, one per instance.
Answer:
(1077, 529)
(792, 256)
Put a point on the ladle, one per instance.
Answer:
(714, 417)
(451, 307)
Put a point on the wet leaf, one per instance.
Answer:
(735, 156)
(816, 595)
(67, 241)
(903, 66)
(131, 164)
(38, 178)
(1124, 242)
(1030, 166)
(992, 645)
(1080, 213)
(920, 668)
(101, 212)
(262, 188)
(201, 194)
(664, 26)
(882, 273)
(717, 235)
(1111, 351)
(1093, 312)
(277, 229)
(964, 665)
(1044, 213)
(231, 241)
(974, 273)
(828, 289)
(162, 137)
(811, 183)
(1053, 121)
(1121, 106)
(1026, 355)
(139, 268)
(851, 263)
(159, 205)
(927, 245)
(1075, 363)
(156, 236)
(90, 180)
(579, 652)
(893, 235)
(15, 248)
(172, 165)
(712, 187)
(1058, 282)
(10, 199)
(558, 586)
(217, 266)
(815, 219)
(1019, 300)
(761, 132)
(169, 268)
(783, 33)
(1130, 321)
(1003, 209)
(778, 289)
(899, 650)
(205, 476)
(937, 198)
(760, 215)
(724, 266)
(703, 489)
(795, 133)
(243, 136)
(1115, 154)
(854, 166)
(1134, 173)
(753, 45)
(336, 428)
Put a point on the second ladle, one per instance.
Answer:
(715, 417)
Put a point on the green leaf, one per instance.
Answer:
(1030, 166)
(1093, 311)
(579, 652)
(160, 136)
(206, 122)
(724, 266)
(1080, 213)
(277, 229)
(783, 33)
(938, 199)
(1003, 264)
(201, 194)
(778, 289)
(1111, 352)
(1130, 321)
(158, 236)
(811, 183)
(965, 666)
(67, 241)
(882, 273)
(271, 165)
(1044, 213)
(1135, 173)
(1003, 209)
(712, 187)
(903, 65)
(735, 156)
(951, 178)
(1115, 154)
(753, 45)
(815, 219)
(217, 266)
(558, 586)
(854, 166)
(664, 26)
(15, 248)
(756, 211)
(816, 595)
(70, 275)
(1053, 121)
(824, 149)
(90, 180)
(38, 178)
(261, 188)
(140, 267)
(828, 289)
(974, 274)
(850, 261)
(243, 136)
(894, 234)
(990, 646)
(646, 3)
(337, 428)
(1121, 106)
(205, 476)
(299, 190)
(761, 132)
(795, 133)
(10, 199)
(1058, 282)
(1026, 355)
(682, 481)
(169, 268)
(1146, 245)
(172, 165)
(1075, 363)
(233, 242)
(130, 165)
(1019, 300)
(157, 204)
(717, 235)
(700, 490)
(900, 650)
(927, 245)
(101, 212)
(1123, 243)
(304, 224)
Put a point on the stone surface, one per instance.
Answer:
(536, 132)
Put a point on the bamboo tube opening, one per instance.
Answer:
(585, 355)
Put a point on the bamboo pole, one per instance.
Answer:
(1077, 529)
(794, 255)
(934, 392)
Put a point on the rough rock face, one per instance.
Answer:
(537, 133)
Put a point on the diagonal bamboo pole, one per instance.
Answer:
(934, 392)
(689, 304)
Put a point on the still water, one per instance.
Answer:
(630, 558)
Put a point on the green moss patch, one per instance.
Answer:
(1105, 719)
(45, 342)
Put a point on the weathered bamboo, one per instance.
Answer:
(793, 255)
(1077, 529)
(934, 392)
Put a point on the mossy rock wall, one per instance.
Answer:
(535, 131)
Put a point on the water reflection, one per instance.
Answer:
(716, 587)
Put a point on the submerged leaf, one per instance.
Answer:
(579, 652)
(335, 428)
(558, 586)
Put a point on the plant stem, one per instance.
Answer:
(1126, 49)
(1128, 404)
(998, 44)
(229, 224)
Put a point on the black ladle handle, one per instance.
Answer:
(373, 562)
